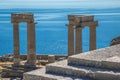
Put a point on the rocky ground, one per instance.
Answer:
(115, 41)
(4, 65)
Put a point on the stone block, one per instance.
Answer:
(76, 20)
(51, 58)
(92, 23)
(84, 62)
(105, 75)
(22, 17)
(80, 18)
(40, 74)
(111, 63)
(62, 68)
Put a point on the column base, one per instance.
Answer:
(29, 65)
(16, 61)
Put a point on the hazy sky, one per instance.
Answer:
(59, 3)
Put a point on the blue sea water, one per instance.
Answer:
(51, 32)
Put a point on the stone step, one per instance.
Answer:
(103, 58)
(40, 74)
(81, 71)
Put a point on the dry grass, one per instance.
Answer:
(1, 68)
(9, 63)
(4, 63)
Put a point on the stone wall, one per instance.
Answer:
(44, 57)
(12, 73)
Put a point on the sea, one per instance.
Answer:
(52, 32)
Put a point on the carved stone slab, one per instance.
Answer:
(22, 17)
(80, 18)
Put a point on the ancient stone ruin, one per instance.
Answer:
(78, 22)
(17, 69)
(102, 64)
(31, 44)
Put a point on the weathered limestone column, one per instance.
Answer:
(16, 44)
(31, 57)
(92, 37)
(70, 39)
(78, 40)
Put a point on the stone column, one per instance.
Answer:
(70, 39)
(78, 40)
(31, 57)
(16, 44)
(92, 38)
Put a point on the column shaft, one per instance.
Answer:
(78, 40)
(70, 40)
(92, 38)
(16, 44)
(31, 57)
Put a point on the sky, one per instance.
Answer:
(59, 4)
